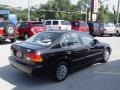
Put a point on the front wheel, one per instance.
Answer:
(61, 71)
(106, 56)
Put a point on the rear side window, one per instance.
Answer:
(48, 23)
(65, 23)
(55, 22)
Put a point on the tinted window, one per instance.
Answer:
(23, 24)
(86, 38)
(44, 38)
(65, 23)
(48, 23)
(70, 39)
(55, 22)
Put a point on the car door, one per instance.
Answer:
(22, 28)
(76, 50)
(94, 49)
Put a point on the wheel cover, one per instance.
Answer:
(11, 30)
(61, 72)
(106, 55)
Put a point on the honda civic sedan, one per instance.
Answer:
(57, 51)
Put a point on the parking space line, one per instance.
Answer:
(111, 73)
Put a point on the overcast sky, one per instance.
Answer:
(24, 3)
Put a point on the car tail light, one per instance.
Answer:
(34, 56)
(1, 30)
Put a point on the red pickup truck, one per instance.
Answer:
(28, 29)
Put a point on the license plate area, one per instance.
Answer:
(19, 54)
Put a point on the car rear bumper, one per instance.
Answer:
(109, 32)
(26, 68)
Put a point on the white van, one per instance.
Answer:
(57, 24)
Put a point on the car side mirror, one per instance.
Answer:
(94, 42)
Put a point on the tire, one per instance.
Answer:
(10, 29)
(26, 36)
(61, 71)
(13, 40)
(106, 55)
(117, 34)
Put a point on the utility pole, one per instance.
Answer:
(29, 10)
(118, 9)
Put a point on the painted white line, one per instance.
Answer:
(112, 73)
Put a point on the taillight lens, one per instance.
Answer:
(34, 56)
(1, 30)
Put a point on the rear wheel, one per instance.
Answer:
(117, 34)
(10, 29)
(61, 71)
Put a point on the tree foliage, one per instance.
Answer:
(64, 9)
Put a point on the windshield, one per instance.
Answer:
(43, 38)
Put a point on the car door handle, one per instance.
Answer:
(68, 52)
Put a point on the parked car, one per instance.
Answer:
(8, 31)
(28, 29)
(94, 29)
(118, 29)
(57, 24)
(56, 51)
(108, 29)
(80, 26)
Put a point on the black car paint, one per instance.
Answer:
(55, 53)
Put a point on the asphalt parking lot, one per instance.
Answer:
(96, 77)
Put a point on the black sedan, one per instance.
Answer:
(58, 51)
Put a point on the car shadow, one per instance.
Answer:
(96, 77)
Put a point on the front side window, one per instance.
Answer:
(70, 39)
(86, 38)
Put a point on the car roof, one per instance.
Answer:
(64, 31)
(55, 20)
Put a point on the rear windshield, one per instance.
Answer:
(65, 23)
(109, 25)
(38, 24)
(43, 38)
